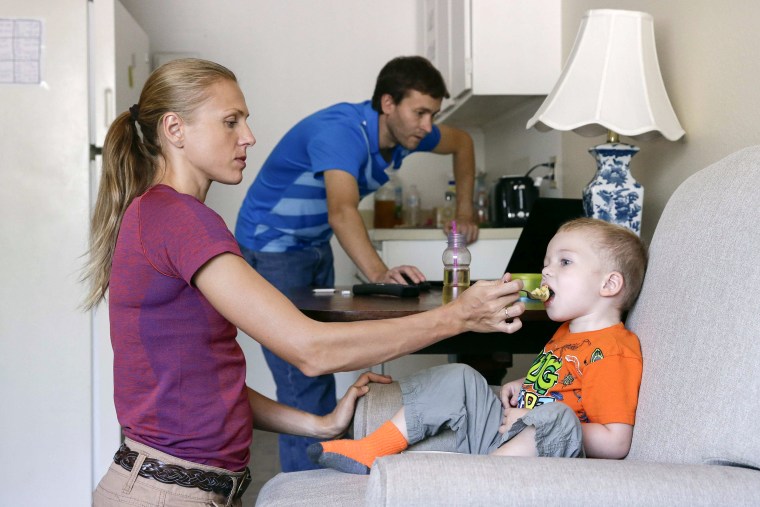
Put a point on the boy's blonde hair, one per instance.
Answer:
(620, 249)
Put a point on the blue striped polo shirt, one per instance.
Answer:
(286, 207)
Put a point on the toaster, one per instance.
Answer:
(513, 197)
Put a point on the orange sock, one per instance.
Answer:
(357, 456)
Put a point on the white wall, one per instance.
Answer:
(510, 149)
(291, 57)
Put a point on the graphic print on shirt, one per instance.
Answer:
(544, 374)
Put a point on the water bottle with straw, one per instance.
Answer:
(456, 265)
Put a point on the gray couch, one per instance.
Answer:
(697, 434)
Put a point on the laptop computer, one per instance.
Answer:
(546, 215)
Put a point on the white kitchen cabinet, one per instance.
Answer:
(493, 54)
(423, 248)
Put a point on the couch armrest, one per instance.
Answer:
(376, 407)
(420, 478)
(380, 404)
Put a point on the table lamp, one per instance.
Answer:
(611, 84)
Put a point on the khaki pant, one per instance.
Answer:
(120, 487)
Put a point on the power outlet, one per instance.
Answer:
(556, 185)
(555, 172)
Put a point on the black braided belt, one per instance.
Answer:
(187, 477)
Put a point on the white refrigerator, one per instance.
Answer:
(57, 428)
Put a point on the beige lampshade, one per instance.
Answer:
(611, 81)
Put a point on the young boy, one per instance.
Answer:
(592, 366)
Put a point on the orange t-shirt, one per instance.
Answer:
(596, 373)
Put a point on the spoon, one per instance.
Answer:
(534, 297)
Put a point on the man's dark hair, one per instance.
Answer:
(406, 73)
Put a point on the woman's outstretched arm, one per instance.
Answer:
(247, 300)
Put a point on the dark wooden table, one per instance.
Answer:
(337, 307)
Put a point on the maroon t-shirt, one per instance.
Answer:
(179, 373)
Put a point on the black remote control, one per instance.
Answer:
(386, 289)
(423, 286)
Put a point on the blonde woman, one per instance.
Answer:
(178, 289)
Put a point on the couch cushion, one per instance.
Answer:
(313, 488)
(457, 480)
(698, 320)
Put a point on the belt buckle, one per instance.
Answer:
(242, 484)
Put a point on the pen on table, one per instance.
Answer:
(331, 291)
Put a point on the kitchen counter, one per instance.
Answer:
(429, 234)
(423, 248)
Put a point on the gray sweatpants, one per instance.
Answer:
(456, 396)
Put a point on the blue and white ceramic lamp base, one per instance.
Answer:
(613, 195)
